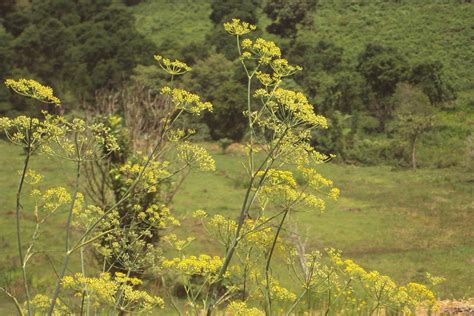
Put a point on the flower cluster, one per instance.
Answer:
(201, 265)
(199, 214)
(293, 108)
(176, 243)
(280, 293)
(106, 291)
(255, 234)
(280, 187)
(152, 177)
(33, 89)
(238, 28)
(175, 67)
(186, 101)
(260, 49)
(40, 306)
(52, 198)
(33, 133)
(239, 308)
(382, 289)
(32, 177)
(194, 155)
(281, 68)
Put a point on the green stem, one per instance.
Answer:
(18, 226)
(249, 109)
(245, 208)
(267, 264)
(15, 301)
(68, 230)
(86, 292)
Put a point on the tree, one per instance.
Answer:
(383, 68)
(96, 41)
(6, 56)
(6, 7)
(131, 2)
(428, 76)
(413, 115)
(286, 15)
(332, 83)
(214, 79)
(224, 11)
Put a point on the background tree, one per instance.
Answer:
(287, 15)
(383, 68)
(429, 77)
(413, 116)
(96, 41)
(6, 7)
(224, 11)
(214, 79)
(6, 56)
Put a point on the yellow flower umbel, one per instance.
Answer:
(293, 108)
(238, 28)
(186, 101)
(239, 308)
(262, 49)
(175, 67)
(107, 291)
(33, 133)
(202, 265)
(33, 89)
(194, 155)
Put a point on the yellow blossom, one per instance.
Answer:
(239, 308)
(186, 101)
(175, 67)
(33, 89)
(193, 154)
(199, 214)
(238, 28)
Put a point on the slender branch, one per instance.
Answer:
(267, 264)
(15, 301)
(68, 227)
(18, 219)
(243, 213)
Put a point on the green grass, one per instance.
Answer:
(399, 222)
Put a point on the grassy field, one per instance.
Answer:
(399, 222)
(396, 221)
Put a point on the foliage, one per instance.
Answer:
(288, 15)
(83, 44)
(226, 10)
(383, 68)
(414, 116)
(223, 11)
(429, 77)
(213, 78)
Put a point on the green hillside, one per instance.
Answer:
(422, 30)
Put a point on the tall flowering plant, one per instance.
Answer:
(283, 177)
(122, 231)
(282, 171)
